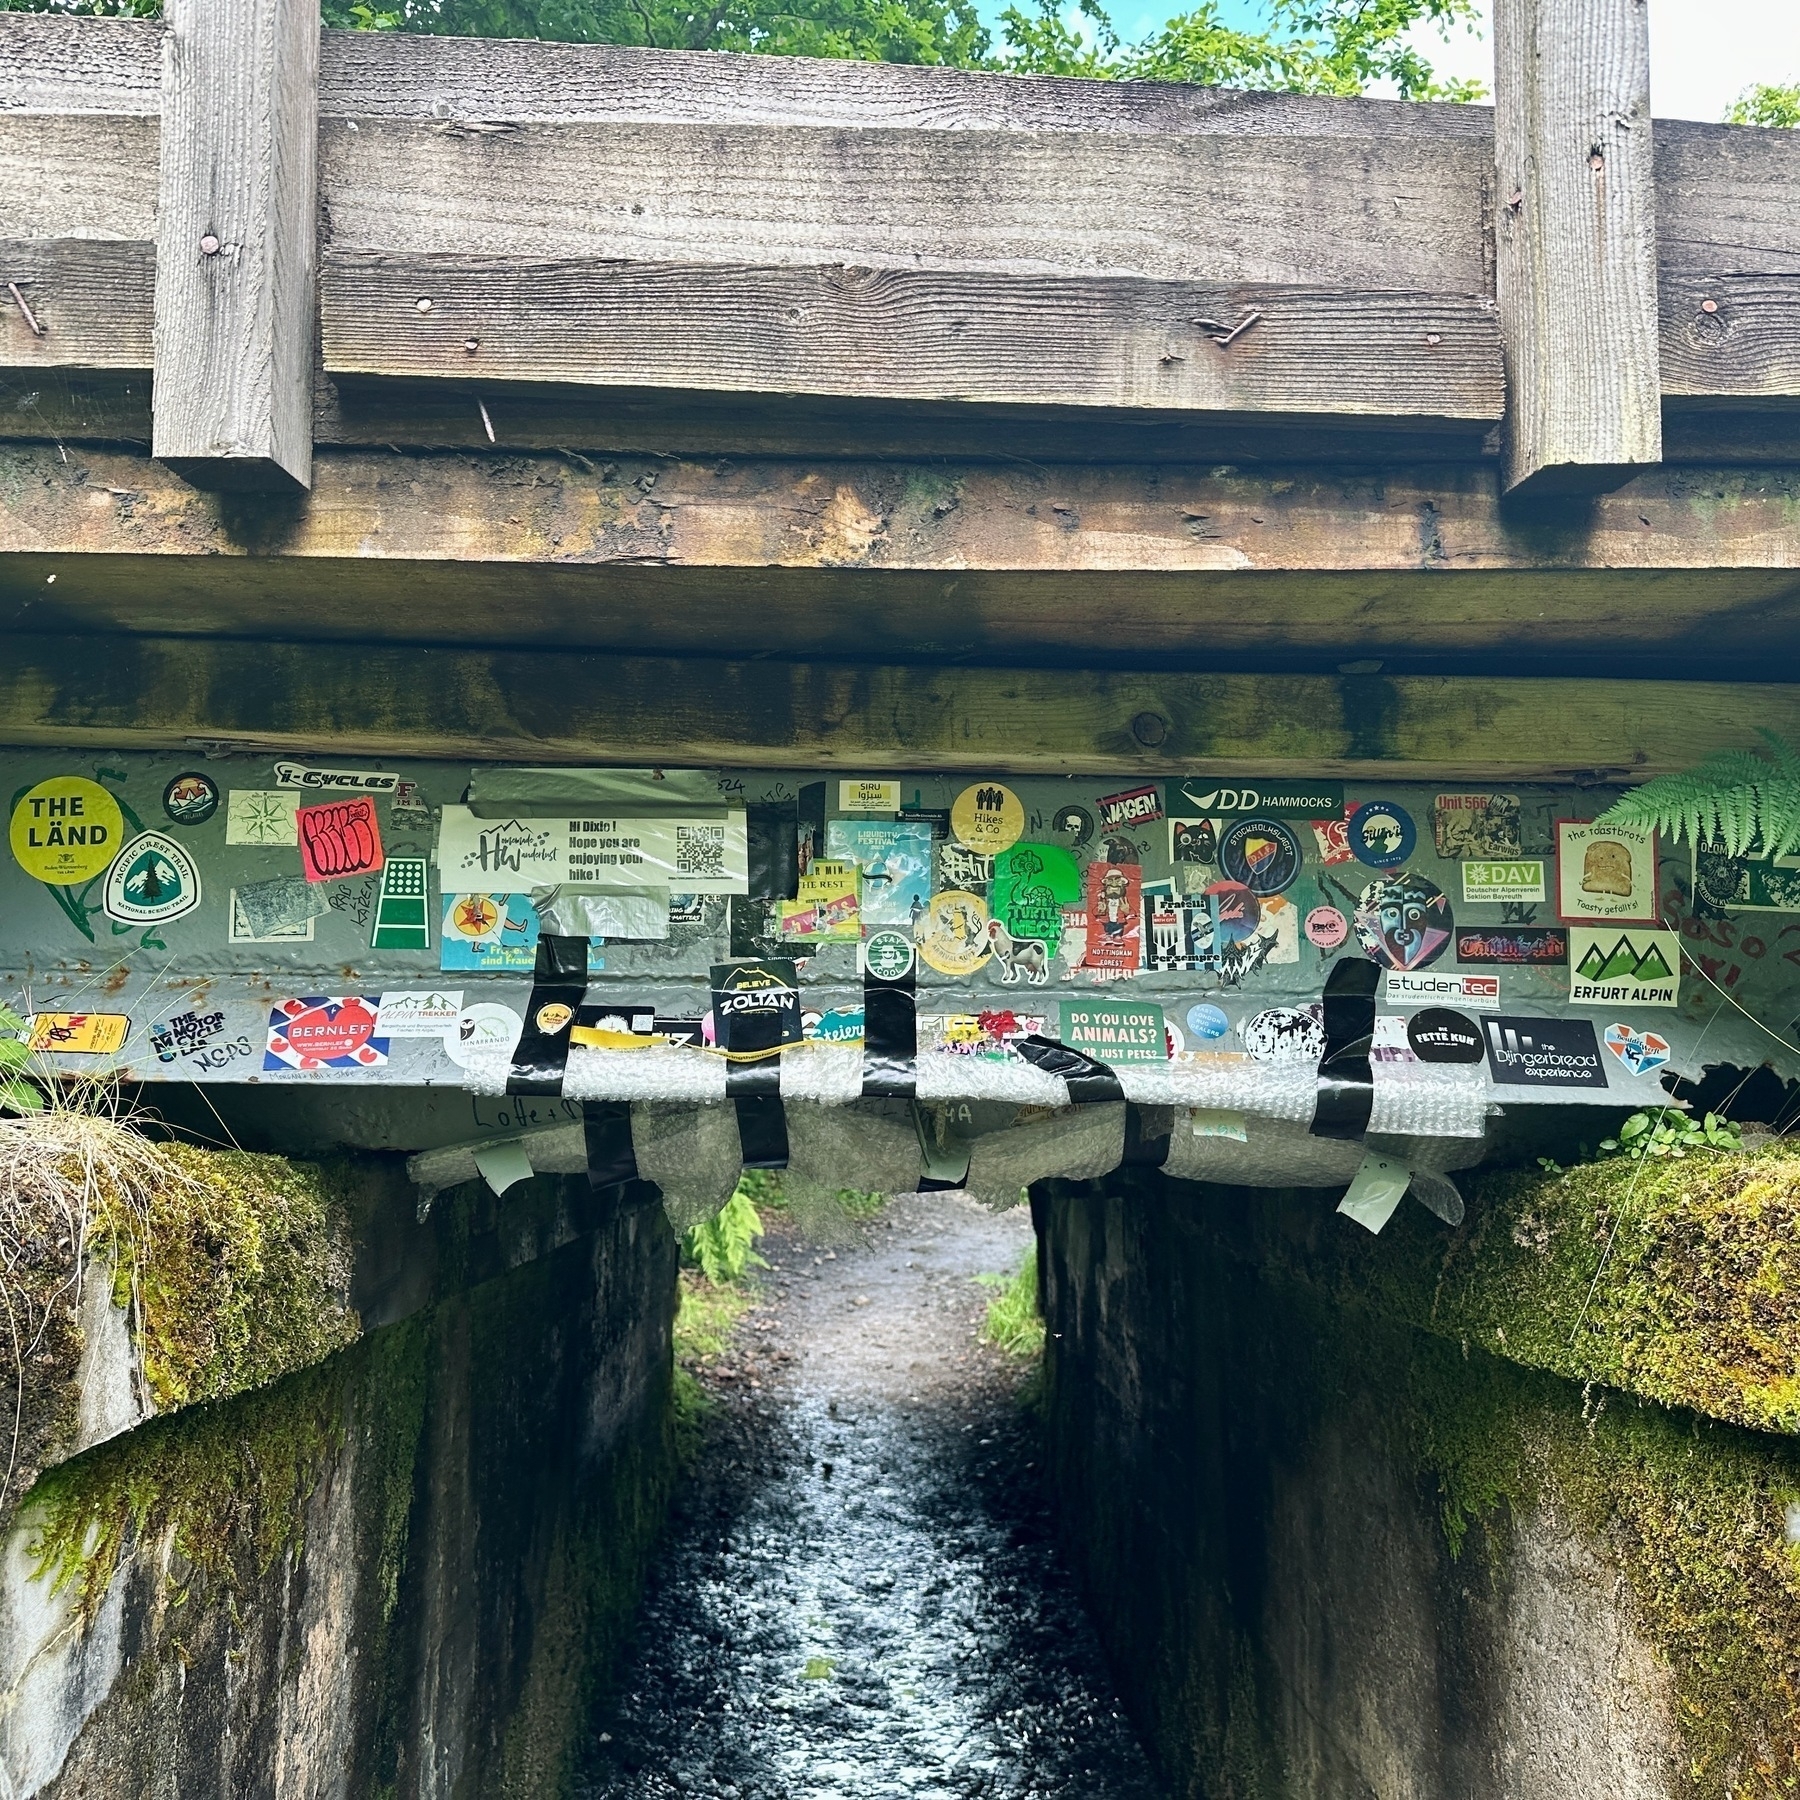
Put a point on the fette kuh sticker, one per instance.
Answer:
(987, 818)
(66, 830)
(952, 932)
(151, 881)
(191, 798)
(1382, 835)
(1613, 965)
(1439, 1035)
(1605, 872)
(1405, 922)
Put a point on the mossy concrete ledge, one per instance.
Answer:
(376, 1515)
(1334, 1546)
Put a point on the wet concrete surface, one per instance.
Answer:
(860, 1597)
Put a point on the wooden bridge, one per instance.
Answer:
(453, 397)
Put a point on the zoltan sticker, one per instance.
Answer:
(987, 818)
(66, 830)
(952, 932)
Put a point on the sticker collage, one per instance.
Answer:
(1188, 921)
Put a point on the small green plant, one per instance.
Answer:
(1767, 103)
(1742, 802)
(1667, 1133)
(722, 1248)
(17, 1095)
(1013, 1323)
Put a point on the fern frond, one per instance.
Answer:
(1737, 799)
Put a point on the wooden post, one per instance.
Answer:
(235, 243)
(1576, 226)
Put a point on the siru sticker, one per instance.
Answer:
(151, 881)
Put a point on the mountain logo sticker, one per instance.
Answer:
(1611, 965)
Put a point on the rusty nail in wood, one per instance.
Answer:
(1241, 326)
(423, 305)
(1149, 729)
(31, 319)
(209, 245)
(1432, 337)
(1709, 306)
(487, 423)
(1515, 199)
(471, 345)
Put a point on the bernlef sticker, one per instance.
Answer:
(1623, 966)
(319, 1032)
(1543, 1053)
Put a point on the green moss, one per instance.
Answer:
(241, 1275)
(1693, 1512)
(1012, 1321)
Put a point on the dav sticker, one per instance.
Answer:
(1639, 1051)
(321, 1032)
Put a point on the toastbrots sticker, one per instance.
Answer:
(1609, 966)
(1605, 872)
(1543, 1053)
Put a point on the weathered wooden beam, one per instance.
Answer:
(236, 242)
(81, 304)
(898, 334)
(1686, 571)
(1576, 229)
(143, 692)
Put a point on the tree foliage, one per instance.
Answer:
(1765, 104)
(1307, 46)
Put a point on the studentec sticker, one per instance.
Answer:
(66, 830)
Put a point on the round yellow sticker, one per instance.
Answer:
(66, 830)
(952, 932)
(988, 818)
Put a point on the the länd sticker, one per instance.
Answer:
(952, 932)
(1404, 923)
(1285, 1034)
(1613, 965)
(1135, 806)
(987, 818)
(1476, 827)
(1489, 883)
(887, 955)
(261, 817)
(1382, 835)
(1605, 873)
(66, 830)
(1261, 853)
(1439, 1035)
(1514, 946)
(868, 796)
(1543, 1053)
(78, 1034)
(367, 781)
(1640, 1052)
(1115, 1031)
(151, 881)
(191, 798)
(1326, 927)
(339, 839)
(325, 1031)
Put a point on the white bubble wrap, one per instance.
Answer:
(1078, 1145)
(869, 1145)
(692, 1153)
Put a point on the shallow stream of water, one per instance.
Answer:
(860, 1596)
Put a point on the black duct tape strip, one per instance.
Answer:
(774, 853)
(890, 1037)
(1088, 1080)
(610, 1156)
(1346, 1080)
(1149, 1131)
(762, 1120)
(558, 988)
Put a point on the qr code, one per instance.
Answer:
(700, 850)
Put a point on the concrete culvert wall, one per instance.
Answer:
(1335, 1547)
(395, 1558)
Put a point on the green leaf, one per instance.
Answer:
(20, 1097)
